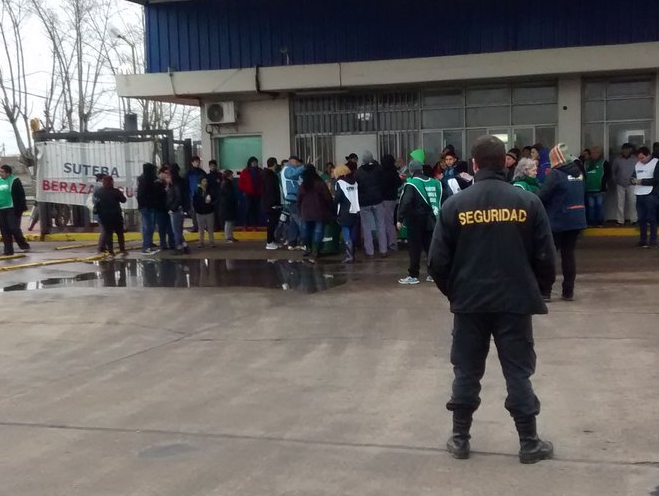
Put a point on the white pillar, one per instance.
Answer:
(569, 113)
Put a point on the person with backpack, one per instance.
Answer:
(419, 207)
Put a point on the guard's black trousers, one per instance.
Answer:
(513, 337)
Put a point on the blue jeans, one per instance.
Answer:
(177, 226)
(148, 227)
(351, 233)
(595, 208)
(314, 235)
(646, 206)
(165, 231)
(295, 228)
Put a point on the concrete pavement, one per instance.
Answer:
(248, 390)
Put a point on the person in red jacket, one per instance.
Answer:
(251, 184)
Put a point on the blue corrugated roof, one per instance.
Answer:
(205, 35)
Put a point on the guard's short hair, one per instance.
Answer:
(489, 152)
(644, 150)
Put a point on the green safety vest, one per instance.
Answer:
(6, 201)
(430, 190)
(594, 175)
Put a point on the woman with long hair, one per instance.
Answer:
(108, 207)
(346, 199)
(315, 205)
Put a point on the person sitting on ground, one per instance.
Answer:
(12, 205)
(315, 203)
(346, 199)
(419, 208)
(525, 175)
(204, 207)
(111, 215)
(228, 205)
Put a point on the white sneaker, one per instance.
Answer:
(409, 280)
(429, 279)
(301, 248)
(272, 246)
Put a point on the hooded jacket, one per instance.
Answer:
(290, 181)
(391, 182)
(192, 177)
(108, 206)
(250, 181)
(563, 194)
(544, 165)
(345, 217)
(369, 177)
(228, 201)
(492, 250)
(147, 189)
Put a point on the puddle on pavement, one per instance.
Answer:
(267, 274)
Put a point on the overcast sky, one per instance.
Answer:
(38, 62)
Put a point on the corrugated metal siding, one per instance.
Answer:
(226, 34)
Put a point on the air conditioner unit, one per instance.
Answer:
(221, 113)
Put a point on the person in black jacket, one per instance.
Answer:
(11, 210)
(492, 255)
(147, 198)
(164, 223)
(271, 201)
(563, 194)
(370, 180)
(214, 184)
(419, 207)
(203, 202)
(176, 199)
(346, 199)
(391, 183)
(108, 207)
(228, 205)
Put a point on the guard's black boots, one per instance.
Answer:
(532, 449)
(458, 443)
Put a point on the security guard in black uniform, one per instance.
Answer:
(492, 255)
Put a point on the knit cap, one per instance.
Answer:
(559, 155)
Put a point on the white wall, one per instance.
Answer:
(267, 118)
(569, 119)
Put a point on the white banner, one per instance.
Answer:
(66, 172)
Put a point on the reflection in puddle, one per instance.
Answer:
(204, 273)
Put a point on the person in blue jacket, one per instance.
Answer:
(290, 183)
(193, 177)
(541, 155)
(563, 194)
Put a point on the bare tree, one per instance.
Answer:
(13, 77)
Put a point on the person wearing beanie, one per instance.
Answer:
(419, 208)
(12, 206)
(492, 256)
(511, 163)
(563, 196)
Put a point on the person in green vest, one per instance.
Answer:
(12, 206)
(597, 177)
(525, 175)
(418, 209)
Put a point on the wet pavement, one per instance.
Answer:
(236, 371)
(286, 275)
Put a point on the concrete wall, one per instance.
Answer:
(267, 118)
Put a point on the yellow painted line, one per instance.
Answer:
(133, 236)
(611, 231)
(45, 263)
(11, 257)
